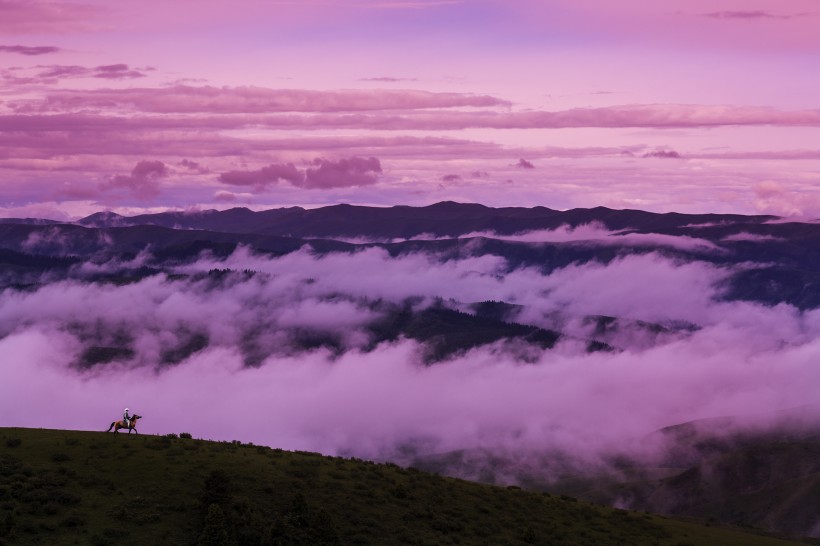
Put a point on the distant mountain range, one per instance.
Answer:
(786, 254)
(445, 219)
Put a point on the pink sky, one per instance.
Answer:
(688, 106)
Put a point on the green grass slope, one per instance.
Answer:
(70, 487)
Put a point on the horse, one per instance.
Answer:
(132, 425)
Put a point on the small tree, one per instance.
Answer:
(214, 533)
(216, 490)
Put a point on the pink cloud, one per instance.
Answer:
(387, 79)
(43, 16)
(668, 116)
(50, 74)
(194, 166)
(143, 182)
(117, 72)
(355, 171)
(524, 164)
(750, 15)
(206, 99)
(663, 154)
(263, 177)
(777, 198)
(28, 50)
(225, 196)
(784, 155)
(671, 25)
(744, 356)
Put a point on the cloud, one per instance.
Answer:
(263, 177)
(748, 15)
(367, 403)
(387, 79)
(225, 196)
(740, 15)
(143, 182)
(41, 17)
(56, 71)
(663, 154)
(28, 50)
(524, 164)
(194, 166)
(355, 171)
(116, 72)
(450, 178)
(753, 237)
(50, 74)
(345, 172)
(598, 234)
(225, 100)
(668, 116)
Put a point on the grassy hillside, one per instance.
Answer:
(69, 487)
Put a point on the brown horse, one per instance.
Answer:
(132, 425)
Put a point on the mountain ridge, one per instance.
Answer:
(446, 218)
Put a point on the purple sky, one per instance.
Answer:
(132, 106)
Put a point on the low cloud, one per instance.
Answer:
(225, 196)
(524, 164)
(367, 403)
(773, 197)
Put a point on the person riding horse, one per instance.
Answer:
(128, 422)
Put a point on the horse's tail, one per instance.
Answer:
(112, 426)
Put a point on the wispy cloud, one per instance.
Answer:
(387, 79)
(28, 50)
(44, 16)
(207, 99)
(753, 15)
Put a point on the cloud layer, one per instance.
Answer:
(370, 401)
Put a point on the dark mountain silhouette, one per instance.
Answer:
(441, 219)
(787, 255)
(33, 221)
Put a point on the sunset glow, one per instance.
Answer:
(665, 106)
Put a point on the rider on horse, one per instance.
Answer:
(126, 418)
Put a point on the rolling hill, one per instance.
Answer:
(71, 487)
